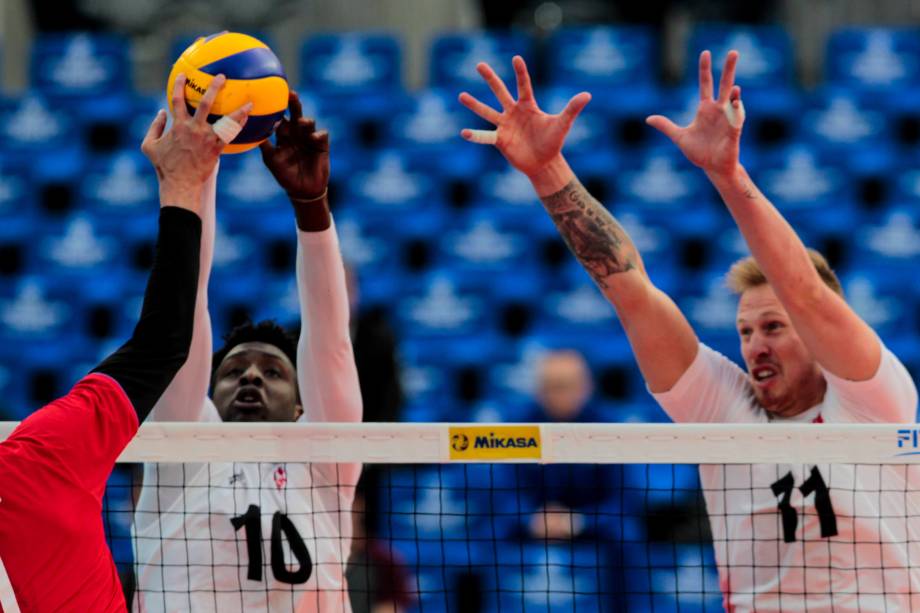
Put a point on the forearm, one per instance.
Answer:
(777, 248)
(596, 239)
(663, 342)
(326, 369)
(839, 339)
(146, 364)
(184, 399)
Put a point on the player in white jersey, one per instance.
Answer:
(228, 537)
(815, 538)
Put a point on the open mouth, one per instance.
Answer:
(248, 400)
(764, 374)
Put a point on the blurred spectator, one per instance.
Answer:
(568, 496)
(378, 580)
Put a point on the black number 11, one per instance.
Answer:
(790, 517)
(251, 520)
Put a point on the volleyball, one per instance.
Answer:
(254, 74)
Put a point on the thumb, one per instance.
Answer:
(155, 130)
(574, 107)
(664, 125)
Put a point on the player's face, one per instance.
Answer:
(783, 373)
(256, 382)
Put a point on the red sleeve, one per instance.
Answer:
(82, 433)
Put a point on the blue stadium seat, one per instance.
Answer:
(873, 58)
(235, 249)
(882, 299)
(29, 124)
(486, 241)
(449, 502)
(362, 246)
(17, 199)
(888, 248)
(671, 578)
(245, 184)
(640, 410)
(454, 57)
(392, 182)
(581, 307)
(231, 303)
(75, 250)
(86, 65)
(806, 188)
(841, 119)
(661, 485)
(143, 110)
(766, 55)
(12, 403)
(712, 311)
(34, 310)
(603, 57)
(120, 185)
(351, 63)
(540, 578)
(506, 187)
(432, 123)
(662, 179)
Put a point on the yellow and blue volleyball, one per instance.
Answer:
(254, 74)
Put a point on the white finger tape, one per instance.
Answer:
(735, 116)
(226, 129)
(484, 137)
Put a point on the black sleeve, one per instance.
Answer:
(145, 365)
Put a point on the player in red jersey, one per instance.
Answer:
(54, 466)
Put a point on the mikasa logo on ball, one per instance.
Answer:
(191, 83)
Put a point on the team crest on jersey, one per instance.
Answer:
(280, 477)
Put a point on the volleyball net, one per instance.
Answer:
(548, 517)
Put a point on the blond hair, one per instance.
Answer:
(746, 274)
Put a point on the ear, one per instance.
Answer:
(298, 411)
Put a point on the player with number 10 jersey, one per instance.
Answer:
(258, 536)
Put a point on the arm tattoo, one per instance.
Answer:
(592, 234)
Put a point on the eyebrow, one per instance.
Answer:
(263, 354)
(770, 313)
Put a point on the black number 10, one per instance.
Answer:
(281, 523)
(790, 518)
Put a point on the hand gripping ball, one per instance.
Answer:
(254, 74)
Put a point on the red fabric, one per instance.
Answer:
(53, 470)
(818, 420)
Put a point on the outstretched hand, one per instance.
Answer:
(299, 159)
(712, 140)
(527, 137)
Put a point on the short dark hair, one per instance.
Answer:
(267, 331)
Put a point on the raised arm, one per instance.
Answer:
(842, 343)
(186, 397)
(185, 158)
(531, 140)
(326, 371)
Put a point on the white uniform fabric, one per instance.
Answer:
(190, 552)
(872, 563)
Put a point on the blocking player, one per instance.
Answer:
(273, 536)
(54, 466)
(809, 358)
